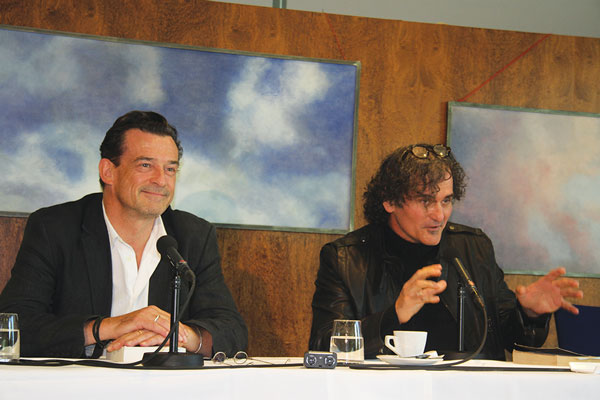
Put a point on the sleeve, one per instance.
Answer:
(31, 293)
(212, 306)
(515, 326)
(333, 300)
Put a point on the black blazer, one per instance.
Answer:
(62, 278)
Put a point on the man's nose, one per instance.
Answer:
(436, 211)
(159, 176)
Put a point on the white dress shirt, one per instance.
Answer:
(130, 283)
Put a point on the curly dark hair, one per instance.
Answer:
(147, 121)
(403, 176)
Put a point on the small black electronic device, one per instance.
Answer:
(320, 359)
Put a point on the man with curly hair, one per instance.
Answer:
(396, 272)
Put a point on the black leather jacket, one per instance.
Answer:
(355, 282)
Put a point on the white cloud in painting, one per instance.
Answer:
(144, 84)
(265, 99)
(264, 105)
(297, 201)
(44, 164)
(54, 59)
(58, 66)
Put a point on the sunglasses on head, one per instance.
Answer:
(421, 151)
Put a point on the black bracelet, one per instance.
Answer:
(96, 332)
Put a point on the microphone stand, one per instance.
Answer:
(173, 359)
(173, 346)
(461, 353)
(461, 318)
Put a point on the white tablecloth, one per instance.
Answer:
(342, 383)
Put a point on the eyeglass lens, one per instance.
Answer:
(239, 358)
(422, 152)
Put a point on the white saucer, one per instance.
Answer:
(585, 367)
(397, 360)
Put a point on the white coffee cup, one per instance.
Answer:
(407, 343)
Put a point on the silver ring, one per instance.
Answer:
(157, 317)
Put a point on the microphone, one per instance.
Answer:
(167, 247)
(464, 275)
(462, 271)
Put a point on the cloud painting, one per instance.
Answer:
(268, 141)
(534, 185)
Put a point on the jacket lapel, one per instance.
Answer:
(449, 297)
(159, 289)
(96, 250)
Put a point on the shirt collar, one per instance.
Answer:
(113, 235)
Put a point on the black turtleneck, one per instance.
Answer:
(412, 256)
(436, 319)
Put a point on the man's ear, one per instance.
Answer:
(389, 206)
(106, 169)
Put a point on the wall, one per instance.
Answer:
(409, 73)
(561, 17)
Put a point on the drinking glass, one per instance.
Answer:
(347, 341)
(10, 343)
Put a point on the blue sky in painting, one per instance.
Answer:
(534, 184)
(267, 141)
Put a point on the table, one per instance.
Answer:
(67, 382)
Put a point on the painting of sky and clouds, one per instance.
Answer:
(534, 185)
(268, 141)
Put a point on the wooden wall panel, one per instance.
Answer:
(271, 276)
(409, 73)
(11, 233)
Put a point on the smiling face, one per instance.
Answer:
(143, 184)
(423, 218)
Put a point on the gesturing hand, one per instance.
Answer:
(419, 290)
(548, 293)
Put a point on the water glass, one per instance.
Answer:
(347, 341)
(10, 343)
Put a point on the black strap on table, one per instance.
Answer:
(136, 366)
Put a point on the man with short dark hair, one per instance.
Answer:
(89, 272)
(394, 274)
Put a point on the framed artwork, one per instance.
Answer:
(533, 184)
(268, 140)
